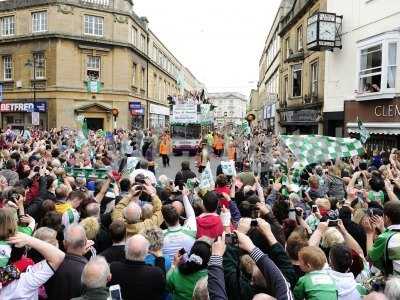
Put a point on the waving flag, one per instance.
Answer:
(364, 134)
(310, 149)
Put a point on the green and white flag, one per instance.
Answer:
(228, 168)
(310, 149)
(364, 134)
(206, 178)
(81, 138)
(246, 128)
(131, 163)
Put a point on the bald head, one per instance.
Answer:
(147, 211)
(75, 239)
(93, 210)
(263, 297)
(178, 206)
(96, 273)
(132, 213)
(136, 248)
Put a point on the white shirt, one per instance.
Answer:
(26, 287)
(146, 173)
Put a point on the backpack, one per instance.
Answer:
(388, 264)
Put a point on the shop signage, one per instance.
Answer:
(372, 110)
(184, 113)
(23, 107)
(93, 86)
(391, 110)
(137, 112)
(159, 110)
(304, 115)
(135, 105)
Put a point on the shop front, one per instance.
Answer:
(20, 115)
(136, 110)
(380, 117)
(270, 113)
(158, 117)
(301, 121)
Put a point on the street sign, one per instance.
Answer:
(35, 118)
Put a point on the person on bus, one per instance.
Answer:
(164, 151)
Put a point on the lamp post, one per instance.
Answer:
(32, 64)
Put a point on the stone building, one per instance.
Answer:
(61, 58)
(301, 70)
(230, 108)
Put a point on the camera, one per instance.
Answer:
(231, 239)
(254, 223)
(314, 208)
(182, 251)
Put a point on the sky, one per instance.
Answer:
(220, 41)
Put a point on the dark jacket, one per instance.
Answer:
(94, 294)
(66, 282)
(114, 253)
(273, 276)
(137, 280)
(182, 177)
(216, 280)
(237, 281)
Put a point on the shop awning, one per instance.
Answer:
(376, 128)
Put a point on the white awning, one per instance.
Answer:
(376, 128)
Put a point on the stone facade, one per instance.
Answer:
(83, 42)
(301, 108)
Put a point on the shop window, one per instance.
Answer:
(300, 38)
(296, 80)
(378, 66)
(40, 65)
(392, 66)
(314, 79)
(134, 36)
(7, 26)
(93, 68)
(7, 67)
(94, 25)
(39, 21)
(143, 78)
(371, 69)
(9, 119)
(134, 68)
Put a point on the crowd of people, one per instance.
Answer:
(142, 235)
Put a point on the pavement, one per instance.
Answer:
(175, 165)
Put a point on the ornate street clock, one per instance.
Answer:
(324, 31)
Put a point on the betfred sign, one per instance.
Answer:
(23, 107)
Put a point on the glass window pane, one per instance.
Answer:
(392, 54)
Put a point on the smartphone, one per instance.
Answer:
(314, 208)
(231, 239)
(333, 223)
(115, 292)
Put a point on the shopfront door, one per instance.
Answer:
(95, 123)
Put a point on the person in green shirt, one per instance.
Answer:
(317, 284)
(182, 277)
(384, 252)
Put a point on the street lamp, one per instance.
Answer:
(33, 64)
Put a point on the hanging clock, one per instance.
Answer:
(324, 31)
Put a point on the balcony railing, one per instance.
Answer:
(97, 2)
